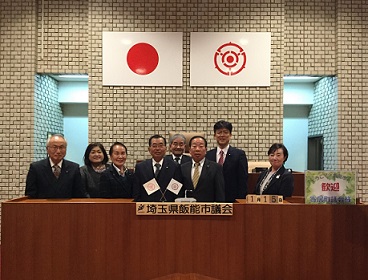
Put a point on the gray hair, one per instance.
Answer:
(178, 135)
(55, 135)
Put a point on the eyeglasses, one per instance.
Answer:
(161, 145)
(55, 148)
(178, 144)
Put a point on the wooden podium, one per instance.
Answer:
(105, 239)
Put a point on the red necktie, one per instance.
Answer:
(221, 159)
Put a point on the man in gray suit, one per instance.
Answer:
(202, 176)
(54, 177)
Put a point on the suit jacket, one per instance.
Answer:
(144, 173)
(235, 170)
(113, 185)
(210, 186)
(184, 158)
(282, 183)
(42, 183)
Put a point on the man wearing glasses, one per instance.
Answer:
(54, 177)
(177, 148)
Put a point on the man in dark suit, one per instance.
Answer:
(202, 176)
(54, 177)
(153, 176)
(233, 160)
(177, 149)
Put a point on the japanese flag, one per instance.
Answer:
(142, 58)
(230, 58)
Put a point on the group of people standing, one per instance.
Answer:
(217, 175)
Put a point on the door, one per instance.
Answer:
(315, 153)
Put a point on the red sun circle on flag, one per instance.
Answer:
(142, 58)
(230, 59)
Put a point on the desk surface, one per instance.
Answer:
(104, 239)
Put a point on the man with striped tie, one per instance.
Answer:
(54, 177)
(202, 176)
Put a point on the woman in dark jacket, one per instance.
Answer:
(276, 180)
(117, 181)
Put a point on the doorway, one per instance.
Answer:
(315, 152)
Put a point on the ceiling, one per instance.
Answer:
(301, 79)
(70, 77)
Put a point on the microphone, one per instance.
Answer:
(185, 198)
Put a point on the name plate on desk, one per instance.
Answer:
(193, 208)
(264, 199)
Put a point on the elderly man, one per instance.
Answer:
(54, 177)
(202, 176)
(177, 148)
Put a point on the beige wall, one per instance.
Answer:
(318, 37)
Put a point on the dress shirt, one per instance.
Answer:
(119, 171)
(52, 164)
(218, 153)
(174, 158)
(199, 167)
(161, 162)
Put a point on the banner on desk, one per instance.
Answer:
(189, 209)
(330, 187)
(230, 58)
(142, 58)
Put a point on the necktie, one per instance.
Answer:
(196, 174)
(221, 159)
(158, 166)
(57, 170)
(177, 159)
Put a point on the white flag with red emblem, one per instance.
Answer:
(174, 186)
(142, 58)
(230, 58)
(151, 186)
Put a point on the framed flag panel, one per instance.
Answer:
(230, 58)
(142, 58)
